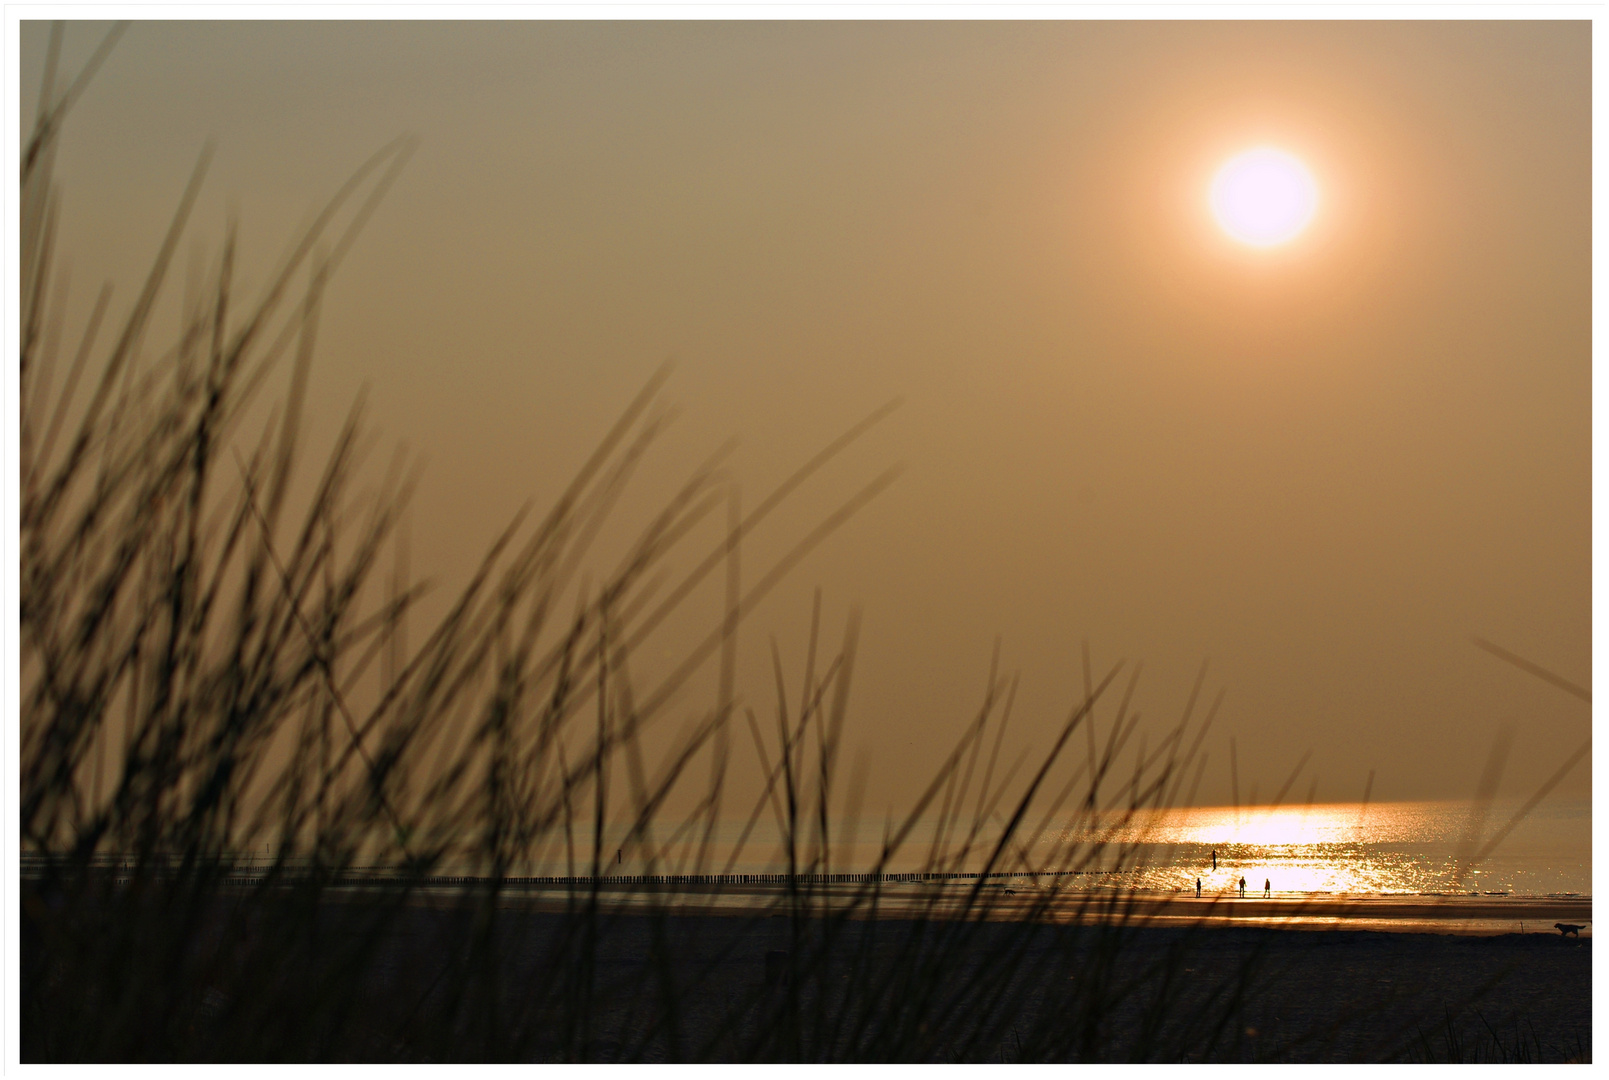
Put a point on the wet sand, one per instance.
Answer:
(1482, 915)
(1479, 915)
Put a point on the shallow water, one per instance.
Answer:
(1380, 849)
(1403, 848)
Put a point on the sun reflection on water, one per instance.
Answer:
(1337, 848)
(1340, 848)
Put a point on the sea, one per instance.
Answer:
(1350, 849)
(1423, 848)
(1383, 849)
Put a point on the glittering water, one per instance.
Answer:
(1379, 849)
(1386, 848)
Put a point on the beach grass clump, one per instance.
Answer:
(239, 780)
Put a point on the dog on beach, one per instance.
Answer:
(1569, 928)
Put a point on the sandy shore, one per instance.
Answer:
(1483, 915)
(714, 976)
(1325, 978)
(1297, 995)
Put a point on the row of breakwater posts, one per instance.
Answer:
(33, 867)
(617, 880)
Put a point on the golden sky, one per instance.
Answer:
(1324, 465)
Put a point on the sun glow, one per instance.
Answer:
(1386, 848)
(1263, 197)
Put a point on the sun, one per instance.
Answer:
(1264, 197)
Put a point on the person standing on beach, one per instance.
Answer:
(1268, 887)
(1215, 860)
(1198, 888)
(1243, 885)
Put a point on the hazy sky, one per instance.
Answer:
(1322, 466)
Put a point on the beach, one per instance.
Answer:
(758, 972)
(1457, 914)
(1319, 980)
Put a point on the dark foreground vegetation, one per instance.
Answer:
(226, 715)
(362, 977)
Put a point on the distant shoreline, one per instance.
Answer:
(1460, 915)
(1001, 896)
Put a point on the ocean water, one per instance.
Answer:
(1378, 849)
(1354, 849)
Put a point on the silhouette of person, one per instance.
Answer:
(1242, 886)
(1215, 860)
(1198, 888)
(1268, 888)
